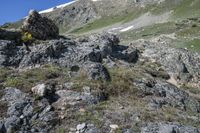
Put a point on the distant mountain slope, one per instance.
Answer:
(85, 15)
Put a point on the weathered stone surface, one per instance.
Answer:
(22, 113)
(168, 128)
(40, 90)
(9, 53)
(40, 27)
(164, 93)
(149, 89)
(180, 63)
(97, 71)
(67, 52)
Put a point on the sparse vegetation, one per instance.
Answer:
(149, 31)
(27, 79)
(193, 44)
(107, 21)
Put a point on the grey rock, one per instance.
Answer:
(70, 97)
(22, 113)
(168, 128)
(180, 63)
(66, 52)
(8, 53)
(97, 71)
(168, 94)
(39, 90)
(40, 27)
(13, 95)
(127, 131)
(81, 127)
(76, 13)
(92, 129)
(87, 90)
(130, 55)
(12, 123)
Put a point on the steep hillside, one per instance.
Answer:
(86, 15)
(117, 66)
(129, 11)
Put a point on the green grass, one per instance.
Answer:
(14, 25)
(182, 10)
(99, 23)
(190, 31)
(120, 84)
(107, 21)
(149, 31)
(191, 89)
(25, 80)
(187, 9)
(193, 45)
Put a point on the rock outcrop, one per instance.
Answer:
(118, 77)
(181, 64)
(68, 52)
(168, 128)
(40, 27)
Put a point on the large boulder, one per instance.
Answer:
(40, 27)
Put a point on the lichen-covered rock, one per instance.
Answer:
(40, 27)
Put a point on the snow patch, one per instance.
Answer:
(126, 29)
(59, 6)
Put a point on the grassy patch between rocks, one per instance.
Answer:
(27, 79)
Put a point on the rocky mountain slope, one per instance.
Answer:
(131, 70)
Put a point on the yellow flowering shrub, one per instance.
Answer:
(27, 37)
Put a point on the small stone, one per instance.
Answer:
(68, 85)
(39, 90)
(114, 126)
(80, 127)
(78, 98)
(72, 129)
(62, 117)
(122, 107)
(87, 90)
(63, 108)
(82, 110)
(21, 117)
